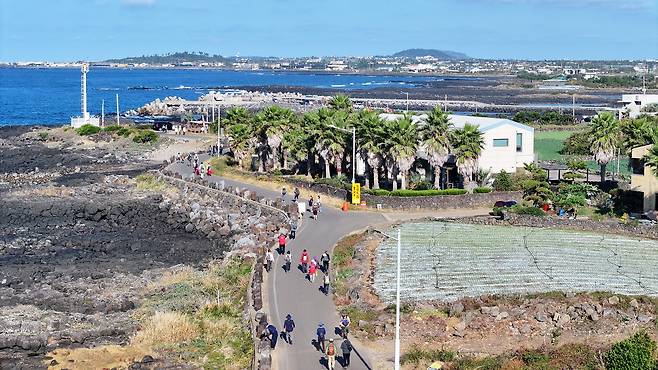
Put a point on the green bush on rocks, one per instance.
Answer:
(86, 130)
(636, 352)
(145, 137)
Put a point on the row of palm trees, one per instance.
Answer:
(282, 139)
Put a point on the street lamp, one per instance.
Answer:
(397, 299)
(353, 131)
(219, 117)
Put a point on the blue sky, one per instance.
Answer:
(63, 30)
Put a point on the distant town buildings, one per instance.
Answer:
(634, 105)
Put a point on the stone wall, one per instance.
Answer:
(483, 200)
(609, 227)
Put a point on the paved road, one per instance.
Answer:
(291, 293)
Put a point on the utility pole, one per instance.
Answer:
(219, 117)
(397, 306)
(117, 109)
(103, 112)
(573, 106)
(353, 155)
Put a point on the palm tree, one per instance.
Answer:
(329, 143)
(638, 132)
(238, 123)
(341, 102)
(435, 144)
(370, 131)
(400, 146)
(651, 159)
(270, 126)
(468, 143)
(605, 137)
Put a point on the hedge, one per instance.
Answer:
(112, 128)
(482, 190)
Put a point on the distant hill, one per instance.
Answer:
(171, 58)
(438, 54)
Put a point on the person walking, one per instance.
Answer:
(303, 260)
(295, 195)
(346, 348)
(331, 354)
(344, 325)
(288, 327)
(283, 194)
(288, 261)
(315, 209)
(324, 259)
(321, 333)
(312, 271)
(325, 285)
(310, 202)
(269, 260)
(282, 244)
(293, 230)
(319, 203)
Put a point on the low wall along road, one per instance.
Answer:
(448, 261)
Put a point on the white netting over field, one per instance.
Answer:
(448, 261)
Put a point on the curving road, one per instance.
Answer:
(291, 293)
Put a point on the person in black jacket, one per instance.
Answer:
(288, 327)
(347, 348)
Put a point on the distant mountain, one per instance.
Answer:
(438, 54)
(171, 58)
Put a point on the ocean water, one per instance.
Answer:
(52, 96)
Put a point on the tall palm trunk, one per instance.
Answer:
(404, 180)
(285, 159)
(603, 166)
(437, 177)
(375, 178)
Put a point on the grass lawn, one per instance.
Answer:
(549, 143)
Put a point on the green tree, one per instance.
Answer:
(577, 143)
(329, 143)
(400, 146)
(468, 143)
(370, 131)
(651, 159)
(605, 137)
(238, 127)
(503, 181)
(341, 102)
(435, 145)
(269, 128)
(638, 132)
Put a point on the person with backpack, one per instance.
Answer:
(315, 210)
(346, 348)
(344, 325)
(288, 261)
(324, 259)
(331, 354)
(303, 260)
(282, 244)
(288, 327)
(321, 333)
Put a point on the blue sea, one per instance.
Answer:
(52, 96)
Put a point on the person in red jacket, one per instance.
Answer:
(282, 244)
(312, 271)
(303, 260)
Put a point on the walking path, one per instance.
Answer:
(291, 293)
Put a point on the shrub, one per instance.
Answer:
(423, 185)
(482, 190)
(145, 137)
(43, 135)
(381, 192)
(635, 352)
(416, 354)
(523, 210)
(86, 130)
(425, 193)
(503, 182)
(572, 176)
(166, 328)
(336, 182)
(577, 143)
(112, 128)
(124, 131)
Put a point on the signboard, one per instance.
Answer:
(356, 193)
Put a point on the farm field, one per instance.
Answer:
(549, 143)
(448, 261)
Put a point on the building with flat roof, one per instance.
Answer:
(634, 104)
(643, 181)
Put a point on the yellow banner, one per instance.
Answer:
(356, 193)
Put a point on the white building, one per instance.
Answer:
(632, 104)
(508, 145)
